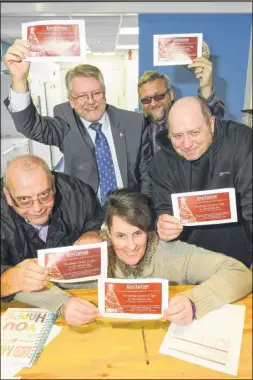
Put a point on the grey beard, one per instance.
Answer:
(160, 120)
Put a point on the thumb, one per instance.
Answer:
(173, 301)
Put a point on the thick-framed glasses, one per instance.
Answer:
(83, 98)
(157, 97)
(27, 202)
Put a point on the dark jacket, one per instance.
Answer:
(227, 163)
(76, 210)
(66, 131)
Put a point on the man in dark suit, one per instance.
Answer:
(99, 142)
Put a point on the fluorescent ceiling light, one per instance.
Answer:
(129, 31)
(124, 47)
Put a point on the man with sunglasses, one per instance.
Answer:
(156, 96)
(41, 209)
(104, 146)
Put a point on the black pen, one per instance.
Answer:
(144, 343)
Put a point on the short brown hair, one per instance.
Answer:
(83, 71)
(150, 76)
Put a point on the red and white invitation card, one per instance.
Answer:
(176, 49)
(58, 40)
(75, 263)
(205, 207)
(133, 299)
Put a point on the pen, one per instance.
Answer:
(145, 345)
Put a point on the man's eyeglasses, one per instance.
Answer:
(157, 97)
(26, 202)
(83, 98)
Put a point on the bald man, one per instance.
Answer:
(41, 209)
(200, 152)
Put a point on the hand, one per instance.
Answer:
(14, 60)
(29, 276)
(203, 71)
(179, 310)
(88, 238)
(77, 311)
(168, 227)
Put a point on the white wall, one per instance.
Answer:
(246, 117)
(248, 88)
(113, 70)
(120, 75)
(45, 83)
(132, 76)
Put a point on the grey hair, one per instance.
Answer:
(150, 76)
(85, 71)
(205, 109)
(26, 162)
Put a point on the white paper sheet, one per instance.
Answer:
(8, 372)
(214, 341)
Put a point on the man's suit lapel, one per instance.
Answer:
(119, 139)
(77, 126)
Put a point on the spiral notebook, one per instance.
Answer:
(24, 332)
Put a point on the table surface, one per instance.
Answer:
(113, 349)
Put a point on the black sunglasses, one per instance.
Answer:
(157, 98)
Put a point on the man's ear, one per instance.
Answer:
(8, 197)
(172, 96)
(53, 181)
(212, 123)
(71, 102)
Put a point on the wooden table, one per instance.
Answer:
(109, 349)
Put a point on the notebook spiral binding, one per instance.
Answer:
(42, 338)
